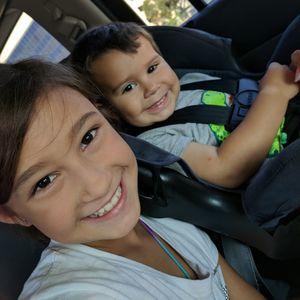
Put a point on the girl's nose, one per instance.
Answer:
(95, 180)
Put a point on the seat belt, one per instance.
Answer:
(244, 89)
(204, 114)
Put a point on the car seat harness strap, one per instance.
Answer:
(245, 91)
(229, 86)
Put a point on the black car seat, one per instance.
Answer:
(200, 203)
(163, 191)
(202, 52)
(255, 27)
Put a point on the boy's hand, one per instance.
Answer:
(279, 81)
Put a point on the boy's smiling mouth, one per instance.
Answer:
(158, 105)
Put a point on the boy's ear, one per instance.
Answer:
(9, 217)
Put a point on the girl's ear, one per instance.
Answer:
(9, 217)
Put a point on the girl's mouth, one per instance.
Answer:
(108, 206)
(111, 208)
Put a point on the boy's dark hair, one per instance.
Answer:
(22, 85)
(99, 40)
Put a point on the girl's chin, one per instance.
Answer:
(118, 235)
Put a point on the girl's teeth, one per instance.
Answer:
(109, 206)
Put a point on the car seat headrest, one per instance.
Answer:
(193, 48)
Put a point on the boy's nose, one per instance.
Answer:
(150, 88)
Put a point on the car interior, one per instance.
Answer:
(225, 38)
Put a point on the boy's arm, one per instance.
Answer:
(240, 155)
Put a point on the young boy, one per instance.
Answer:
(124, 61)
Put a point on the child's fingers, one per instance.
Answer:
(295, 57)
(295, 60)
(297, 74)
(295, 64)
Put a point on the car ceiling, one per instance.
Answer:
(65, 20)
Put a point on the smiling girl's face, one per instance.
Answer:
(76, 179)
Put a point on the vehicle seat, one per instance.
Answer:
(254, 27)
(198, 51)
(164, 192)
(19, 254)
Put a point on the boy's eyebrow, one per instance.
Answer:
(117, 87)
(36, 167)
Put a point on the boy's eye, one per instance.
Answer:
(88, 138)
(43, 183)
(152, 68)
(129, 87)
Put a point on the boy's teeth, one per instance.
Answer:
(109, 206)
(158, 103)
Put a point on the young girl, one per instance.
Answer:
(66, 171)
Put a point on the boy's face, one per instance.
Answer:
(76, 179)
(141, 85)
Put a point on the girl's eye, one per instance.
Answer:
(88, 138)
(43, 183)
(129, 87)
(152, 68)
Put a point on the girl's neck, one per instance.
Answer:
(122, 246)
(138, 245)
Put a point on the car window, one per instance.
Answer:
(29, 39)
(163, 12)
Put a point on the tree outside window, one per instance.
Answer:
(163, 12)
(167, 12)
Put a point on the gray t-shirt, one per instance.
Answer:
(76, 272)
(175, 138)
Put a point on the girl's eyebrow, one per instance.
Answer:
(28, 173)
(40, 165)
(80, 123)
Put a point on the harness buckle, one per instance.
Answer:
(244, 98)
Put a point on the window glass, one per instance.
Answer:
(163, 12)
(29, 39)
